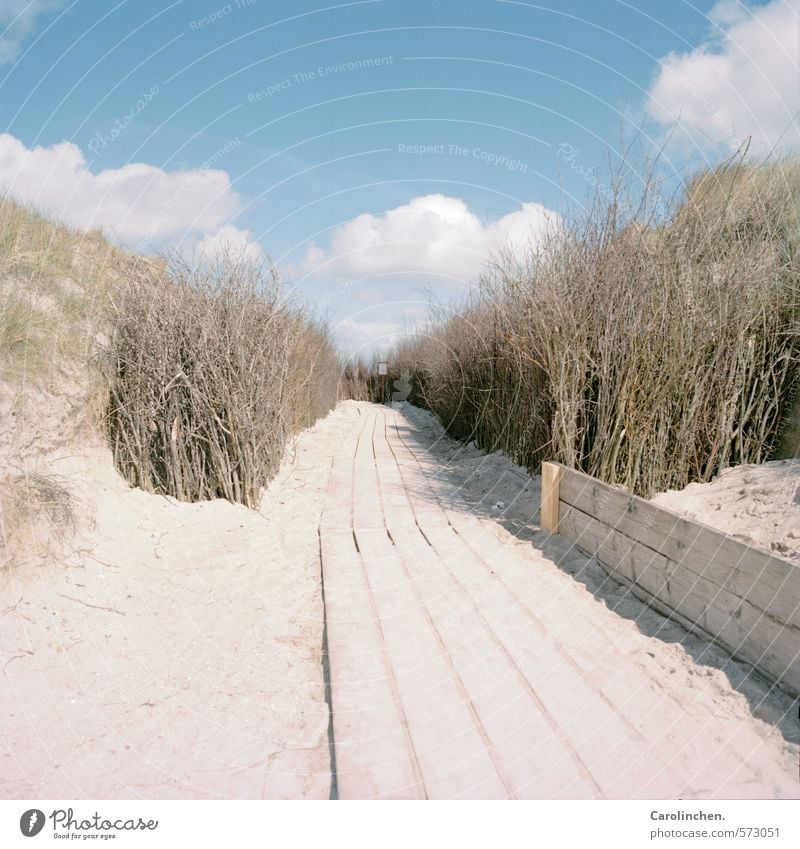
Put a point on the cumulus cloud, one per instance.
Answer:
(432, 234)
(139, 204)
(363, 336)
(228, 242)
(728, 12)
(744, 82)
(17, 21)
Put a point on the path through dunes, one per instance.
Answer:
(465, 664)
(175, 650)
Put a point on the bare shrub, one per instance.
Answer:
(646, 356)
(313, 374)
(201, 376)
(210, 372)
(359, 379)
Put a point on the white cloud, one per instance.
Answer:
(728, 12)
(522, 229)
(17, 21)
(361, 335)
(228, 242)
(743, 82)
(432, 234)
(140, 204)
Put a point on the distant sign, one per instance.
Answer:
(383, 369)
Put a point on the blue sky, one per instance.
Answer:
(375, 150)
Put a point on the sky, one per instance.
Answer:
(381, 152)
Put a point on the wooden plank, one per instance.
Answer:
(373, 756)
(551, 481)
(428, 633)
(706, 608)
(337, 510)
(394, 496)
(621, 556)
(777, 660)
(614, 668)
(601, 737)
(534, 760)
(420, 489)
(366, 494)
(450, 748)
(768, 582)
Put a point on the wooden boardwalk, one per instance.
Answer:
(459, 669)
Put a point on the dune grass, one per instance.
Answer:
(53, 283)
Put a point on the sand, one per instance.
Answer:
(156, 649)
(166, 650)
(759, 505)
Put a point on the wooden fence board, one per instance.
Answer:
(766, 581)
(742, 597)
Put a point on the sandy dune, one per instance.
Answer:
(758, 504)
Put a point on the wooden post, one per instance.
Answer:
(551, 481)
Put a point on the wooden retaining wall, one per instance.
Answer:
(741, 597)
